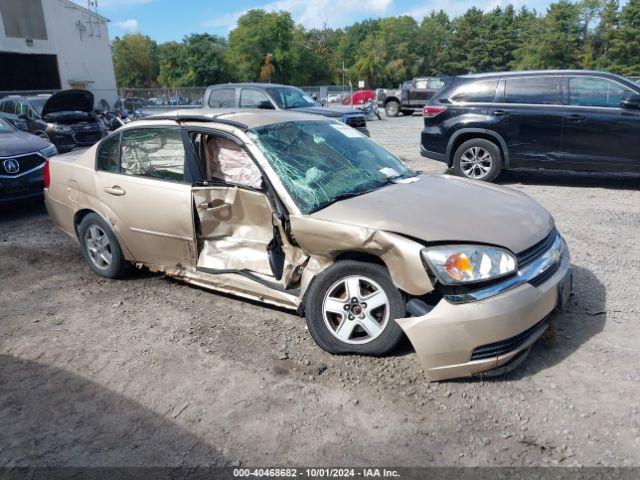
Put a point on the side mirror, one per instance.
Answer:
(632, 101)
(266, 104)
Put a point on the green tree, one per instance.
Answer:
(556, 42)
(624, 53)
(135, 61)
(257, 34)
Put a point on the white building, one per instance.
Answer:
(55, 44)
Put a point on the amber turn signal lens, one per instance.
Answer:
(457, 265)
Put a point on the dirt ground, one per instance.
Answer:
(147, 371)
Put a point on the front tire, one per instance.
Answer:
(351, 307)
(478, 159)
(392, 108)
(100, 247)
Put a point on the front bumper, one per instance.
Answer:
(449, 336)
(22, 188)
(68, 141)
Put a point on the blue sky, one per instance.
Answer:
(165, 20)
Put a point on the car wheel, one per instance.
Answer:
(392, 108)
(478, 159)
(100, 247)
(351, 307)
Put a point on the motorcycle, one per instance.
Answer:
(371, 110)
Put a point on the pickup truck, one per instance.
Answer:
(411, 95)
(270, 96)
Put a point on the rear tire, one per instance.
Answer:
(392, 108)
(478, 159)
(100, 247)
(351, 307)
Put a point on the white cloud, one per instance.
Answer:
(312, 14)
(130, 25)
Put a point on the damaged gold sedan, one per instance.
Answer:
(307, 213)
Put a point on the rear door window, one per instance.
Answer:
(479, 91)
(421, 84)
(223, 98)
(596, 92)
(534, 90)
(9, 107)
(153, 153)
(109, 155)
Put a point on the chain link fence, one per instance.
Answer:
(149, 97)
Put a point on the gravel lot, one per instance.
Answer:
(147, 371)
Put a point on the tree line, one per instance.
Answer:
(269, 46)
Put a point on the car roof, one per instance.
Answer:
(245, 118)
(253, 85)
(536, 72)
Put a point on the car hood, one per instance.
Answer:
(69, 101)
(441, 208)
(18, 143)
(333, 111)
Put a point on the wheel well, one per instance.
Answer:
(77, 218)
(360, 256)
(460, 139)
(391, 99)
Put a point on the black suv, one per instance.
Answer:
(65, 118)
(560, 119)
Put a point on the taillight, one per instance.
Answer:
(47, 175)
(430, 111)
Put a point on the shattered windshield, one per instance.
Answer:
(289, 97)
(321, 162)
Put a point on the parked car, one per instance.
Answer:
(559, 119)
(411, 95)
(22, 160)
(65, 118)
(271, 96)
(303, 212)
(14, 120)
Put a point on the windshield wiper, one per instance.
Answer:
(353, 193)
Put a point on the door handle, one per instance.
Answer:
(575, 118)
(115, 190)
(500, 113)
(210, 208)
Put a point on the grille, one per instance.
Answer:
(20, 190)
(496, 349)
(89, 137)
(356, 121)
(530, 254)
(27, 162)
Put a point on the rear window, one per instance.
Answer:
(223, 98)
(481, 91)
(534, 90)
(109, 155)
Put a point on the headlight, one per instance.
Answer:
(50, 151)
(54, 127)
(456, 264)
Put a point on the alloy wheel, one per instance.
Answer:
(476, 163)
(356, 310)
(98, 247)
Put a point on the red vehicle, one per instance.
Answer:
(360, 97)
